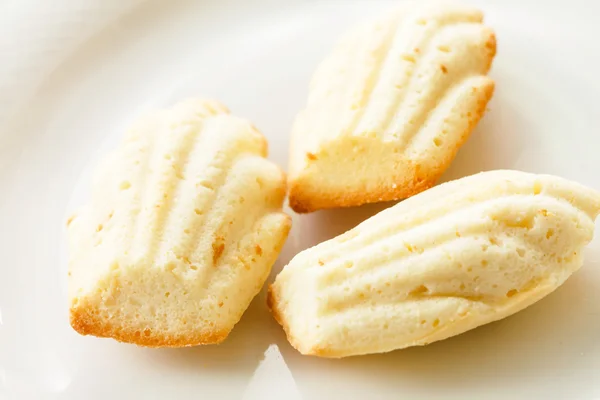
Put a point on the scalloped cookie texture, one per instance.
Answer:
(181, 232)
(388, 110)
(455, 257)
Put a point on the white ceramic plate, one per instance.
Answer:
(257, 57)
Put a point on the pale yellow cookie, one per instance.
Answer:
(388, 110)
(181, 231)
(455, 257)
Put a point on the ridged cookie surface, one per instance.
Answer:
(455, 257)
(181, 232)
(389, 108)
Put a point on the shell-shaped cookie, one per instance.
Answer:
(455, 257)
(389, 108)
(182, 229)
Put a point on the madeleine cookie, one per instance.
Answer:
(181, 232)
(455, 257)
(389, 108)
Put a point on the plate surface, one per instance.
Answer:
(258, 58)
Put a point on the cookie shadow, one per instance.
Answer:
(498, 141)
(323, 225)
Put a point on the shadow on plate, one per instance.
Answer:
(319, 226)
(498, 141)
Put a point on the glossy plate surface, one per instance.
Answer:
(257, 58)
